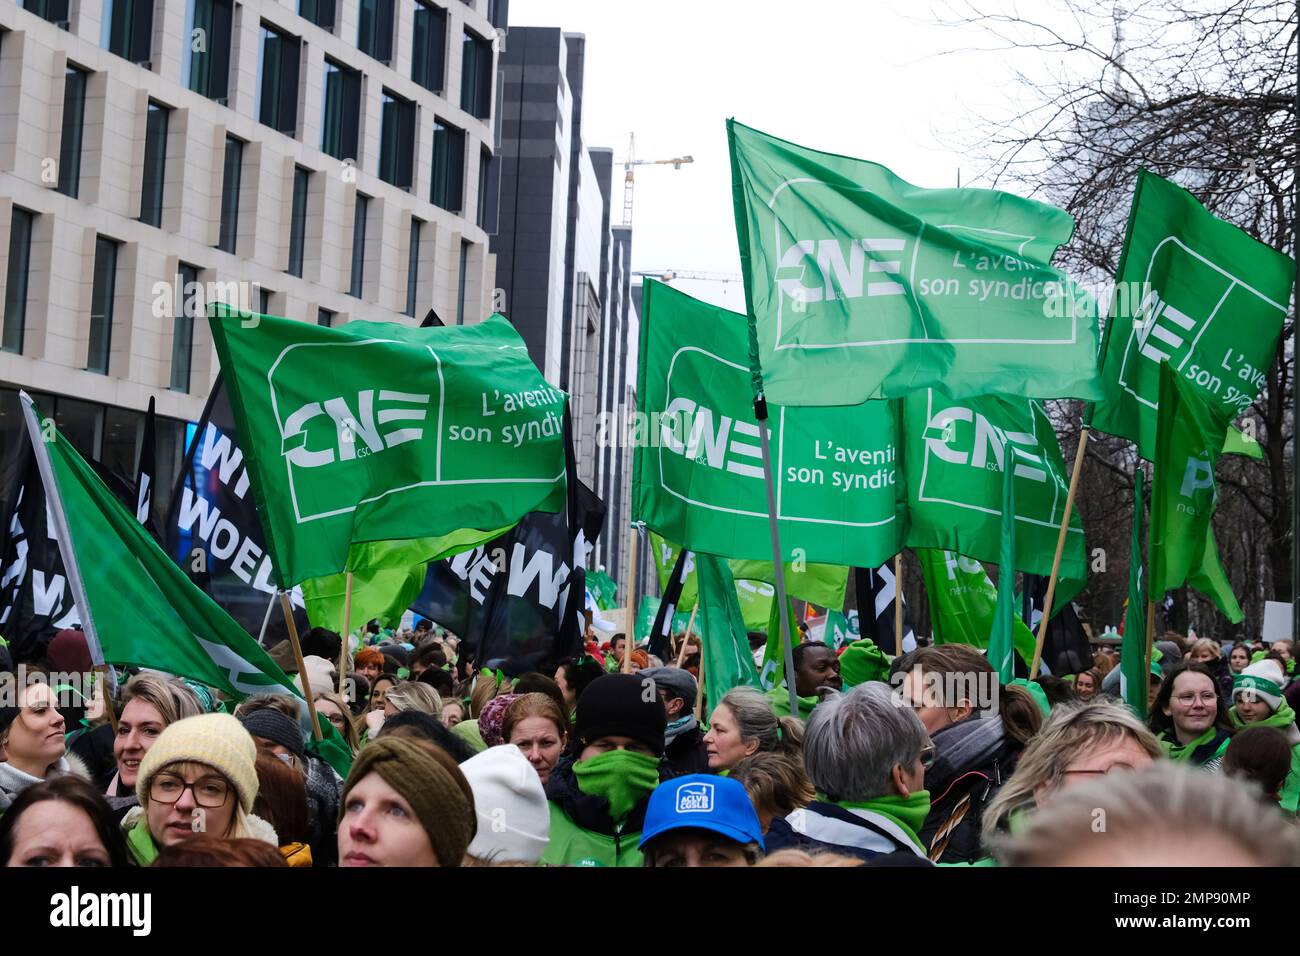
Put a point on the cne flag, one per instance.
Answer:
(138, 609)
(861, 285)
(963, 602)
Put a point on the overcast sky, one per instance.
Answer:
(869, 78)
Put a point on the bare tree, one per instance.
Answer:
(1203, 93)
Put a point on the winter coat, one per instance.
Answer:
(14, 781)
(974, 759)
(324, 791)
(94, 745)
(686, 753)
(582, 833)
(861, 833)
(1206, 751)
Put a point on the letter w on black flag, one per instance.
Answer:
(661, 632)
(875, 587)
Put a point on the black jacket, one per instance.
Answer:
(827, 827)
(687, 753)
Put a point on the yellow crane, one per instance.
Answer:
(629, 167)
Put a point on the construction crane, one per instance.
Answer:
(629, 167)
(668, 275)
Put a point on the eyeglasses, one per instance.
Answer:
(337, 720)
(928, 753)
(209, 792)
(1187, 700)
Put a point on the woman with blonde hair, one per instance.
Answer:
(412, 695)
(777, 785)
(150, 704)
(1078, 742)
(332, 707)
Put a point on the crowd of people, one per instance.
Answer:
(611, 760)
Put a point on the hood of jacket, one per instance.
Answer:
(14, 781)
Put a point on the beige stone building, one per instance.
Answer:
(323, 160)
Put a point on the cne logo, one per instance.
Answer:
(695, 798)
(823, 270)
(379, 420)
(711, 439)
(988, 446)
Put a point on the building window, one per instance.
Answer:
(397, 140)
(189, 306)
(375, 29)
(428, 48)
(488, 188)
(74, 113)
(342, 111)
(55, 11)
(319, 12)
(101, 305)
(448, 167)
(460, 290)
(155, 164)
(298, 222)
(207, 45)
(279, 81)
(359, 214)
(497, 13)
(128, 29)
(476, 75)
(230, 194)
(264, 301)
(413, 266)
(20, 261)
(325, 318)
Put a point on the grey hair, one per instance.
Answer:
(756, 720)
(1163, 803)
(413, 695)
(854, 741)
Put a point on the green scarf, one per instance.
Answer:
(622, 777)
(1282, 718)
(909, 812)
(1176, 751)
(139, 841)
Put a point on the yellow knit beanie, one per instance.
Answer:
(218, 740)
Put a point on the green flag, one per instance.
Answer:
(862, 286)
(1133, 680)
(1004, 613)
(376, 431)
(138, 608)
(1237, 443)
(383, 590)
(956, 454)
(698, 475)
(728, 661)
(1188, 439)
(1196, 292)
(603, 589)
(841, 629)
(756, 598)
(963, 602)
(772, 673)
(820, 584)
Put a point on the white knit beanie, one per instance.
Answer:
(1263, 679)
(514, 817)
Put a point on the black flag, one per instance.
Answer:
(1065, 647)
(36, 599)
(875, 589)
(213, 531)
(661, 631)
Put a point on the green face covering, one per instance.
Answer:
(621, 776)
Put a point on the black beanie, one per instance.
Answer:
(616, 705)
(275, 727)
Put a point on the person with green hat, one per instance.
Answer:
(600, 788)
(1258, 702)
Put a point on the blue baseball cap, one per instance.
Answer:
(702, 801)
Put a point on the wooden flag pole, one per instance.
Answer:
(347, 632)
(686, 641)
(287, 608)
(101, 685)
(630, 639)
(1151, 637)
(1060, 548)
(699, 686)
(898, 605)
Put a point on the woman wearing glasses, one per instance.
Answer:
(200, 776)
(1077, 743)
(1189, 716)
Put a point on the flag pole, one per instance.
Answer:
(898, 605)
(287, 608)
(102, 686)
(760, 412)
(266, 620)
(629, 640)
(699, 686)
(347, 631)
(1060, 548)
(686, 640)
(1151, 634)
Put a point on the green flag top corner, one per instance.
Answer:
(377, 431)
(861, 285)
